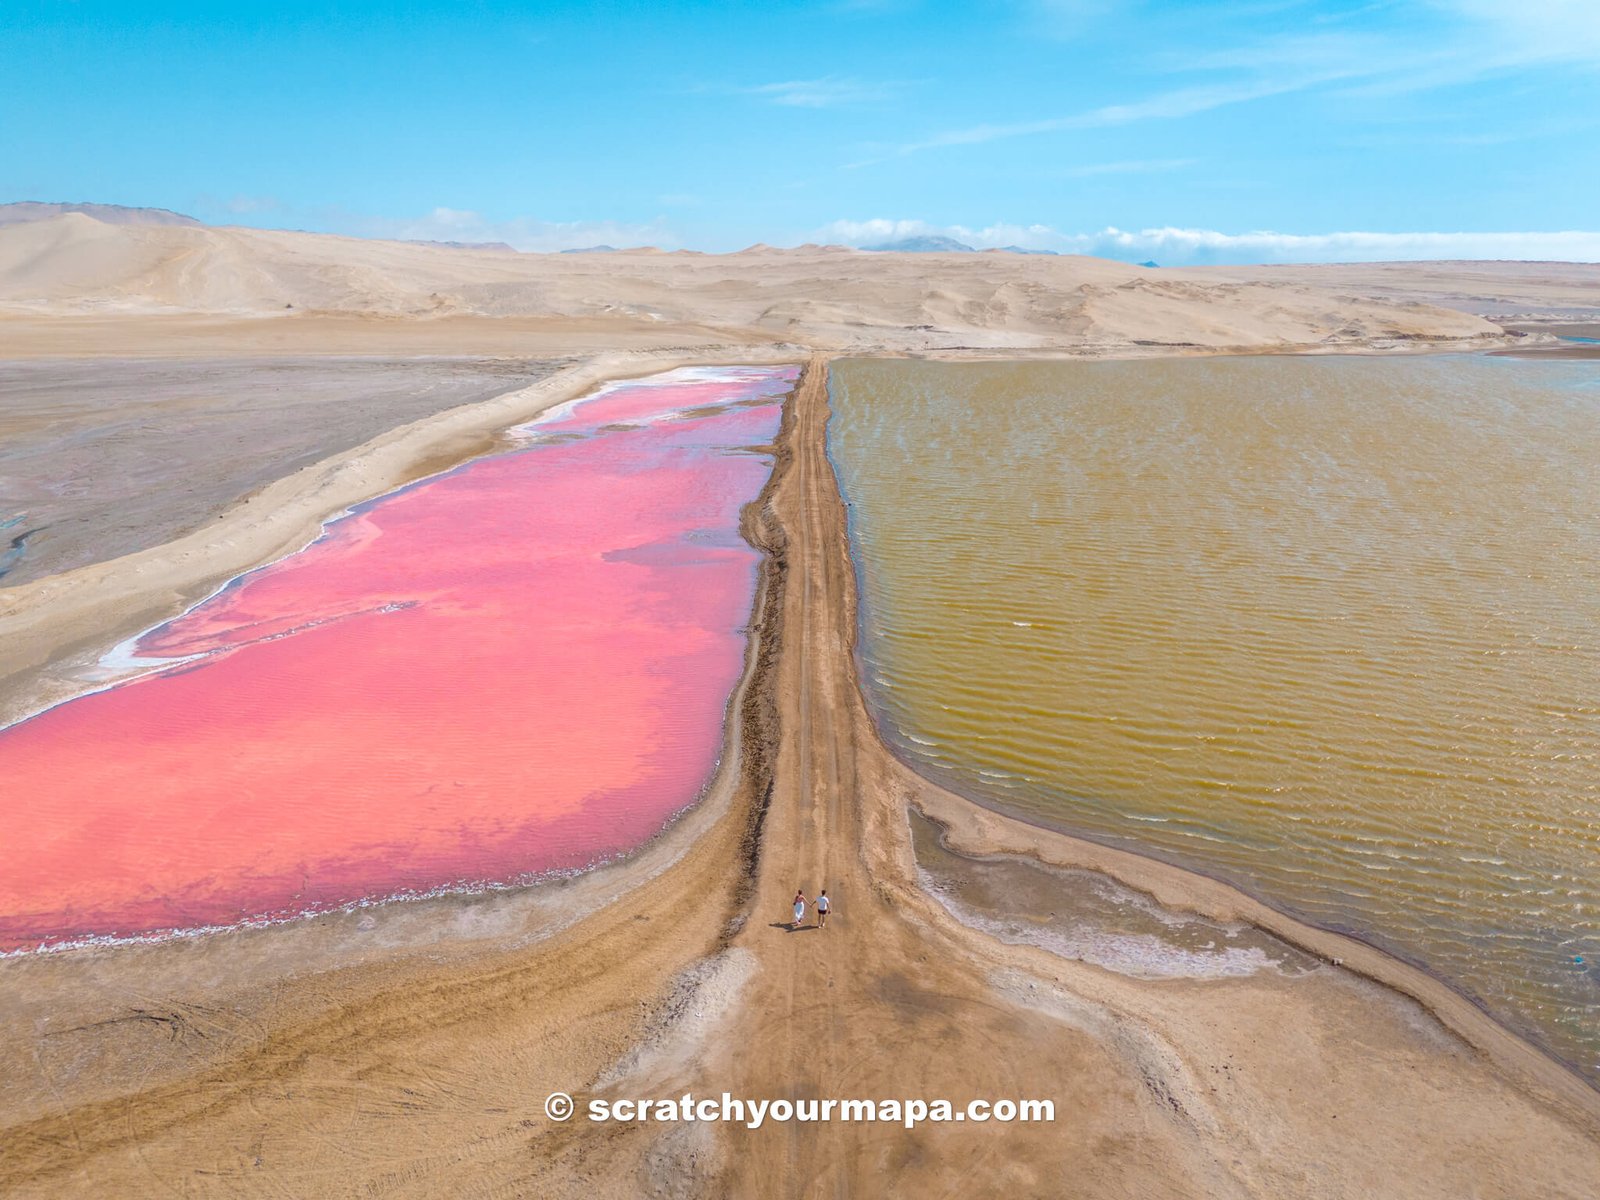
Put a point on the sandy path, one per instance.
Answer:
(208, 1069)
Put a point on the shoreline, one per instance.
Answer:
(729, 856)
(1174, 886)
(53, 627)
(991, 831)
(978, 827)
(1163, 878)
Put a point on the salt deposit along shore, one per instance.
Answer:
(408, 1049)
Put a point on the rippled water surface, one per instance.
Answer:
(1328, 628)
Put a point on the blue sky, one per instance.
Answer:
(1257, 130)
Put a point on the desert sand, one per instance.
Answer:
(407, 1049)
(181, 285)
(1518, 294)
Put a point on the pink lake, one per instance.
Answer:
(518, 667)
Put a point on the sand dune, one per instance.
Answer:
(1500, 291)
(112, 214)
(829, 297)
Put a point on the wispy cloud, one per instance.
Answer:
(240, 205)
(1442, 43)
(523, 233)
(1070, 20)
(1173, 246)
(1138, 166)
(878, 230)
(828, 92)
(1179, 102)
(213, 206)
(1531, 31)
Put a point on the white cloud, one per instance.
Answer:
(1532, 31)
(524, 233)
(1467, 40)
(1138, 166)
(877, 230)
(1068, 17)
(821, 93)
(241, 205)
(1206, 245)
(1180, 102)
(1173, 246)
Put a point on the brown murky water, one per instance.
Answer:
(1327, 628)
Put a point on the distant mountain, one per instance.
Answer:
(927, 244)
(1150, 263)
(591, 250)
(111, 214)
(463, 245)
(1025, 250)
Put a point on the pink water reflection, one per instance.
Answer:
(516, 667)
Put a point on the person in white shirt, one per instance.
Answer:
(823, 908)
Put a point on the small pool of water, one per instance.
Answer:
(1091, 917)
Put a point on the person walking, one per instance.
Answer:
(824, 907)
(799, 909)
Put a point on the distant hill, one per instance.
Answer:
(464, 245)
(1150, 262)
(933, 243)
(72, 264)
(927, 244)
(111, 214)
(591, 250)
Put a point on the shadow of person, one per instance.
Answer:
(791, 927)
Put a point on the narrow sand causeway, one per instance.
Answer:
(408, 1051)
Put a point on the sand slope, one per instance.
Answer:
(822, 296)
(1500, 291)
(112, 214)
